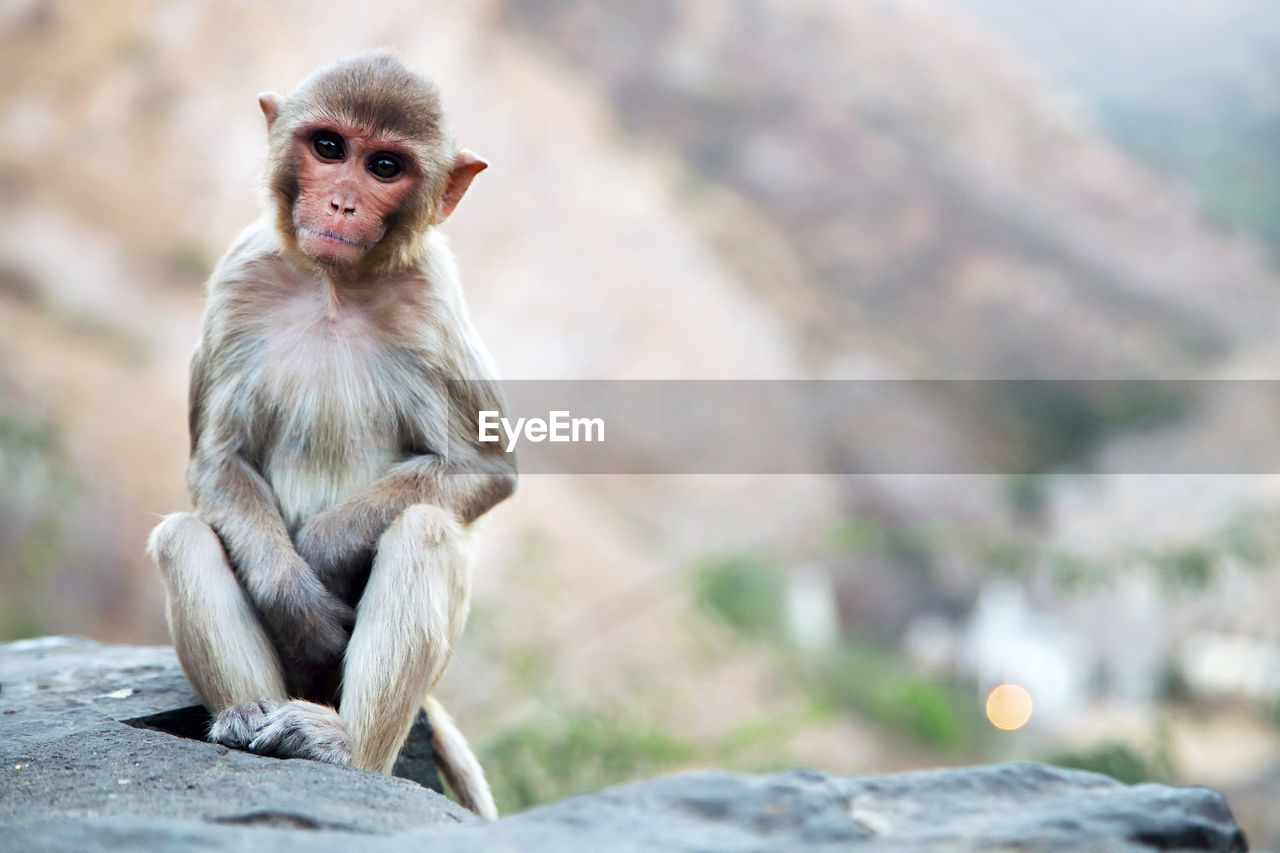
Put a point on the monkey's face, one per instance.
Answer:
(350, 187)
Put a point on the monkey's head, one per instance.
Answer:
(360, 164)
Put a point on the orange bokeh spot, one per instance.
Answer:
(1009, 707)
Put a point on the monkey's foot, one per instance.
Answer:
(237, 726)
(301, 729)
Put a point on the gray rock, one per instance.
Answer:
(83, 771)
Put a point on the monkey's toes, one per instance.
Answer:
(237, 725)
(301, 729)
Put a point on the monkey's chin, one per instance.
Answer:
(329, 249)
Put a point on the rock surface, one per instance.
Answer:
(83, 771)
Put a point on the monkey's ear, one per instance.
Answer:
(465, 167)
(270, 103)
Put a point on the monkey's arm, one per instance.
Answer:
(309, 622)
(468, 478)
(468, 487)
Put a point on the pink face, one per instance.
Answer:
(348, 183)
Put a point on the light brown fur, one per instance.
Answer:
(335, 467)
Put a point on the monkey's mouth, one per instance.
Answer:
(329, 235)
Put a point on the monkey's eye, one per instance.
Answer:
(328, 145)
(385, 166)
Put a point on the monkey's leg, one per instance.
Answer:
(411, 612)
(412, 609)
(221, 645)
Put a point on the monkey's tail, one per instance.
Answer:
(458, 764)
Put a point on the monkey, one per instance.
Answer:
(315, 591)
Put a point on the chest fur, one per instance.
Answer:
(337, 392)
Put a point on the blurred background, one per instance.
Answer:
(723, 190)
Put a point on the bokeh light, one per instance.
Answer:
(1009, 707)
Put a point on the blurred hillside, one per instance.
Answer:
(925, 184)
(714, 190)
(1198, 96)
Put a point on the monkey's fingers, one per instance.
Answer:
(300, 729)
(236, 726)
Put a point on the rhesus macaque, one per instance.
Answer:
(314, 594)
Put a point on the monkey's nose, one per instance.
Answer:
(339, 207)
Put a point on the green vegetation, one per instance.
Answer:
(22, 436)
(746, 594)
(569, 750)
(1063, 423)
(1122, 761)
(1188, 566)
(743, 592)
(876, 684)
(38, 490)
(574, 752)
(1027, 496)
(18, 620)
(865, 536)
(1112, 758)
(1250, 539)
(1228, 156)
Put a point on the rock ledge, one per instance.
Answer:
(94, 758)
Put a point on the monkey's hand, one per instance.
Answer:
(310, 623)
(338, 546)
(237, 725)
(301, 729)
